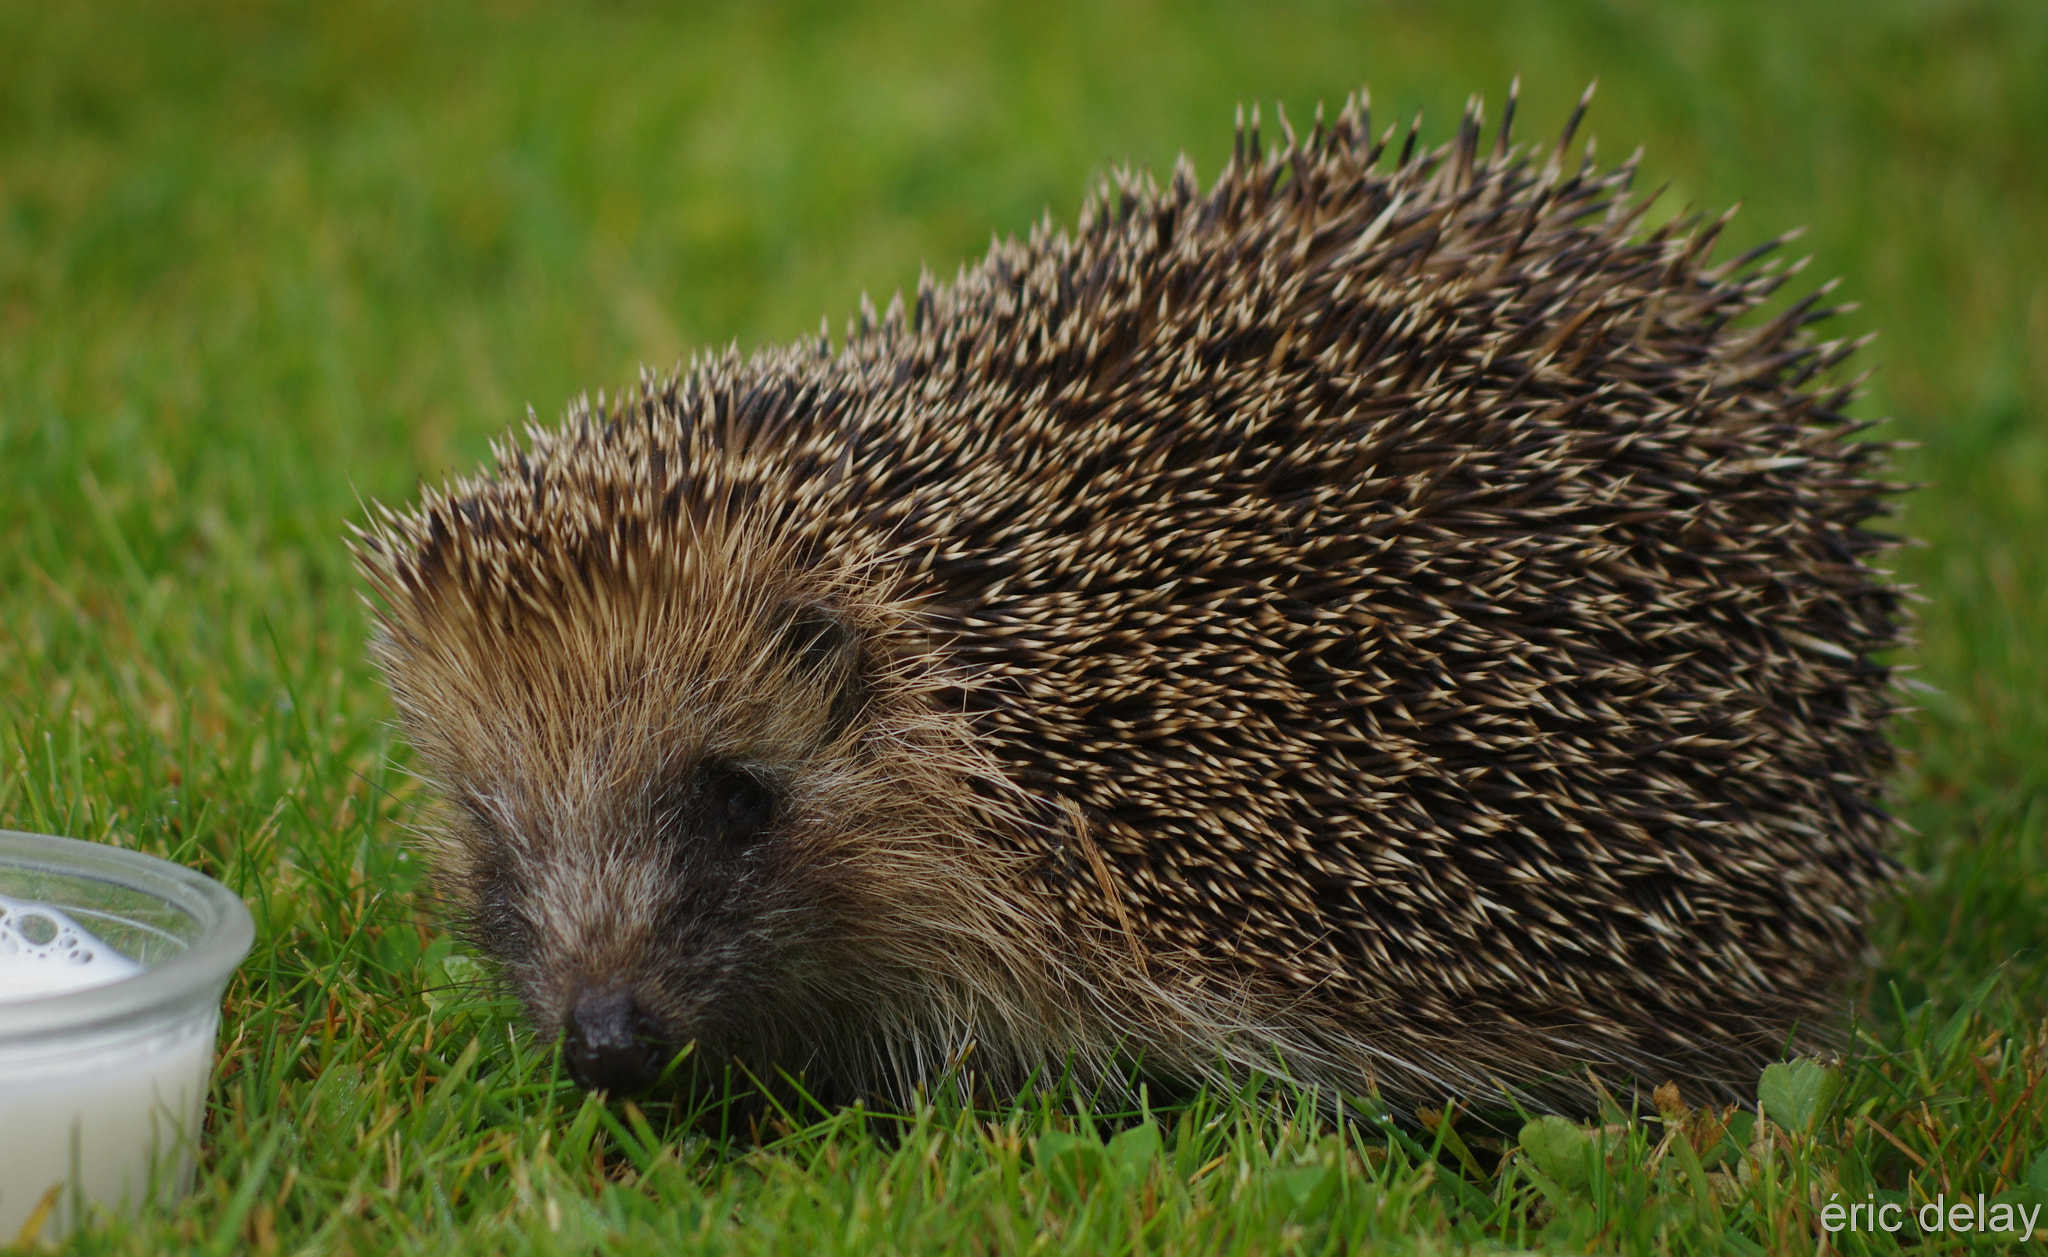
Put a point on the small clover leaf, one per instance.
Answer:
(1797, 1095)
(1559, 1150)
(2037, 1176)
(1136, 1150)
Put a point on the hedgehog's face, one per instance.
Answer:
(662, 831)
(661, 912)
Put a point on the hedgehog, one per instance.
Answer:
(1387, 621)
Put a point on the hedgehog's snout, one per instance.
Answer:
(614, 1044)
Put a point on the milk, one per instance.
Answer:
(44, 952)
(115, 1111)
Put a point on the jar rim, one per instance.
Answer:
(195, 975)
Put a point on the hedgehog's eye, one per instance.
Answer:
(746, 807)
(737, 805)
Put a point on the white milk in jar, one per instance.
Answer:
(105, 1049)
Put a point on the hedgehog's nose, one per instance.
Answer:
(613, 1044)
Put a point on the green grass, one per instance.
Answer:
(262, 261)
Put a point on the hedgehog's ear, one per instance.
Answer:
(817, 643)
(812, 639)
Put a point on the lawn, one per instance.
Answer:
(261, 263)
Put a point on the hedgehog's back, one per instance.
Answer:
(1438, 609)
